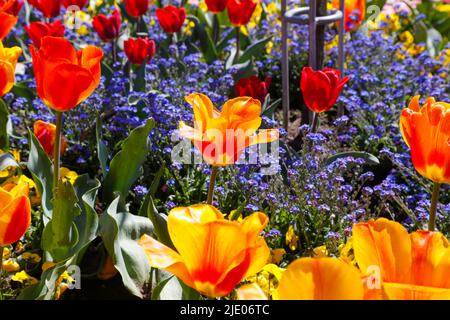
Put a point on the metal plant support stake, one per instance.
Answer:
(297, 16)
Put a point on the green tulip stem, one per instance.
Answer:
(238, 43)
(315, 121)
(212, 182)
(57, 152)
(433, 207)
(216, 28)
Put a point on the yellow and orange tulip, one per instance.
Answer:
(15, 212)
(8, 61)
(223, 136)
(213, 254)
(426, 131)
(65, 77)
(412, 266)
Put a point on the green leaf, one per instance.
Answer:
(174, 289)
(107, 72)
(269, 109)
(159, 221)
(60, 234)
(7, 160)
(41, 169)
(206, 44)
(87, 222)
(4, 114)
(22, 90)
(369, 158)
(126, 166)
(120, 232)
(102, 151)
(254, 50)
(45, 288)
(159, 287)
(139, 82)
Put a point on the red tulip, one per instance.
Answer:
(79, 3)
(139, 50)
(171, 18)
(108, 27)
(253, 87)
(241, 11)
(9, 10)
(136, 8)
(12, 7)
(37, 30)
(46, 134)
(50, 8)
(216, 6)
(65, 77)
(321, 88)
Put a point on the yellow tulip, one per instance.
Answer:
(213, 254)
(8, 61)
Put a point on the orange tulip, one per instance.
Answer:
(411, 266)
(8, 61)
(213, 254)
(320, 279)
(46, 134)
(15, 213)
(65, 77)
(8, 16)
(426, 131)
(222, 137)
(355, 11)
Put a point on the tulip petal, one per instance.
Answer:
(63, 94)
(264, 136)
(59, 49)
(398, 291)
(210, 250)
(6, 77)
(161, 256)
(320, 279)
(15, 219)
(250, 291)
(384, 244)
(430, 259)
(203, 109)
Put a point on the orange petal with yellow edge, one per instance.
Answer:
(161, 256)
(320, 279)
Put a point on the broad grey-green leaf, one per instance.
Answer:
(126, 166)
(41, 169)
(120, 232)
(61, 234)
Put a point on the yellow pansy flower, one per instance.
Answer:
(291, 238)
(320, 252)
(31, 257)
(10, 265)
(68, 175)
(276, 255)
(24, 278)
